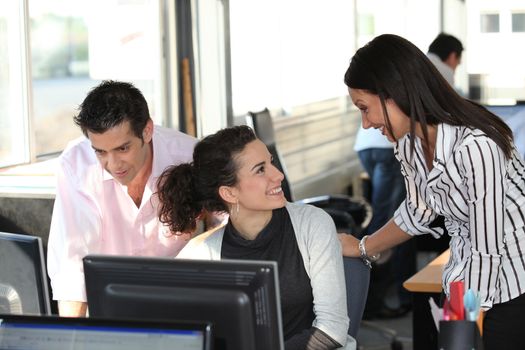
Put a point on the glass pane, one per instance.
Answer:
(518, 22)
(366, 24)
(14, 147)
(75, 45)
(489, 23)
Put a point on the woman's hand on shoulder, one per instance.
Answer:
(349, 244)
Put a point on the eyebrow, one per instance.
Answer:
(123, 145)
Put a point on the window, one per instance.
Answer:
(366, 24)
(490, 23)
(518, 22)
(14, 122)
(71, 46)
(74, 46)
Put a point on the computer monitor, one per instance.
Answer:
(65, 333)
(23, 279)
(240, 298)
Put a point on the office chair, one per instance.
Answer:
(349, 215)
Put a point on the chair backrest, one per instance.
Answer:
(263, 126)
(357, 278)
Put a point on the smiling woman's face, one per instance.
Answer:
(373, 117)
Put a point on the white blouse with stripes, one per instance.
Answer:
(481, 194)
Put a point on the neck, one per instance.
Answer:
(429, 145)
(249, 225)
(432, 134)
(137, 185)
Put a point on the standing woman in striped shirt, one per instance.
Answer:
(458, 161)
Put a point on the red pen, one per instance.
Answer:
(457, 291)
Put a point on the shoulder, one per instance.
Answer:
(78, 151)
(204, 246)
(78, 160)
(172, 146)
(306, 217)
(473, 149)
(471, 139)
(305, 210)
(174, 138)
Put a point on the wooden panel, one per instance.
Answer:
(317, 138)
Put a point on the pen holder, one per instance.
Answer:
(459, 335)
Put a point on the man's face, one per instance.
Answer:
(121, 152)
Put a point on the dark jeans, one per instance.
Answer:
(387, 193)
(504, 326)
(388, 188)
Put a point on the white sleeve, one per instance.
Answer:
(326, 272)
(74, 233)
(206, 246)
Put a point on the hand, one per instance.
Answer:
(72, 308)
(350, 245)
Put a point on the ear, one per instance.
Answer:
(228, 194)
(147, 132)
(452, 60)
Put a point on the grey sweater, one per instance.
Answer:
(317, 240)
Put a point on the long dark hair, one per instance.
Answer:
(394, 68)
(186, 190)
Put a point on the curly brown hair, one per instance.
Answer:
(188, 190)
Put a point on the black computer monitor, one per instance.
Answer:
(240, 298)
(65, 333)
(23, 279)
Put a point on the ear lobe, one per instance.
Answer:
(227, 194)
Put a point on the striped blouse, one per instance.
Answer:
(481, 195)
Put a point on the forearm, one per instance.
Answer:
(388, 236)
(72, 308)
(385, 238)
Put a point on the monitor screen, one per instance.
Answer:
(23, 279)
(240, 298)
(65, 333)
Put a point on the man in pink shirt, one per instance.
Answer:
(106, 183)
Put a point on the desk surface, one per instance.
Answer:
(428, 279)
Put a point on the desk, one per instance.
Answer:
(428, 280)
(426, 284)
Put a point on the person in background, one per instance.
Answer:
(232, 172)
(387, 191)
(459, 161)
(445, 53)
(517, 124)
(105, 202)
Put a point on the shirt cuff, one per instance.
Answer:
(69, 288)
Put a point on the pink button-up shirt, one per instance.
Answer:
(93, 213)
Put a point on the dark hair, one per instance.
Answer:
(111, 103)
(444, 44)
(394, 68)
(186, 190)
